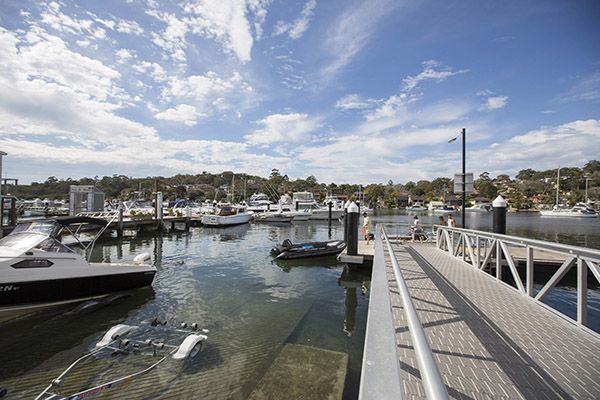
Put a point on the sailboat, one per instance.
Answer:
(579, 210)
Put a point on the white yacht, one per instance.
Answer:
(305, 202)
(259, 202)
(579, 210)
(228, 215)
(38, 271)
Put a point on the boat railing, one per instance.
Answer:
(380, 377)
(495, 253)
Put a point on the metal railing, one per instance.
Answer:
(491, 252)
(430, 375)
(381, 373)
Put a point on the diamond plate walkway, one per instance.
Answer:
(488, 341)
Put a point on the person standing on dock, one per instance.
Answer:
(451, 221)
(442, 221)
(367, 227)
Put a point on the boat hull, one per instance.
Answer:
(218, 220)
(20, 296)
(566, 214)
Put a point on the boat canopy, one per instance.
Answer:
(35, 235)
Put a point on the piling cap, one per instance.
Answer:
(499, 202)
(353, 208)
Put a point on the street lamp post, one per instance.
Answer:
(464, 171)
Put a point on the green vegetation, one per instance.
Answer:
(529, 188)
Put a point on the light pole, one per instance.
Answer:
(464, 170)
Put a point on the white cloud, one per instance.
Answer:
(296, 29)
(227, 21)
(182, 113)
(283, 128)
(355, 102)
(172, 38)
(572, 144)
(209, 93)
(586, 88)
(494, 103)
(351, 32)
(429, 73)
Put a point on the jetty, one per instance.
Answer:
(454, 318)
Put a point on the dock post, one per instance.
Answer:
(120, 221)
(346, 205)
(159, 211)
(352, 229)
(330, 205)
(499, 218)
(188, 218)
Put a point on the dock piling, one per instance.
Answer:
(499, 217)
(352, 229)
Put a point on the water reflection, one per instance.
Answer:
(351, 280)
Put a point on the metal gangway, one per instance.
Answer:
(462, 318)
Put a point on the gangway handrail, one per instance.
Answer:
(481, 249)
(430, 375)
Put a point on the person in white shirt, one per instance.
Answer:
(416, 229)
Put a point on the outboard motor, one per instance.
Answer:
(143, 258)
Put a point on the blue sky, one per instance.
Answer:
(347, 91)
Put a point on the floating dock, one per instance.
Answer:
(487, 339)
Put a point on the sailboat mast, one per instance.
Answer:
(557, 184)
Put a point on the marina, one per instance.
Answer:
(267, 315)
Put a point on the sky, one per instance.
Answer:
(346, 91)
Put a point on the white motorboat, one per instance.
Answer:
(228, 215)
(273, 216)
(305, 202)
(286, 206)
(482, 208)
(259, 202)
(444, 210)
(416, 207)
(37, 270)
(579, 210)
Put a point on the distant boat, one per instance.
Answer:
(416, 207)
(482, 208)
(273, 216)
(580, 210)
(259, 202)
(228, 215)
(443, 210)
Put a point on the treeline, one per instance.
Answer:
(526, 184)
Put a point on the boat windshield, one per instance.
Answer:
(46, 228)
(225, 211)
(31, 235)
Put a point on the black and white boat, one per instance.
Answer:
(37, 270)
(288, 250)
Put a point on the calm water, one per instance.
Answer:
(225, 280)
(584, 232)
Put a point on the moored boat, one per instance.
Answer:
(288, 250)
(228, 215)
(38, 271)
